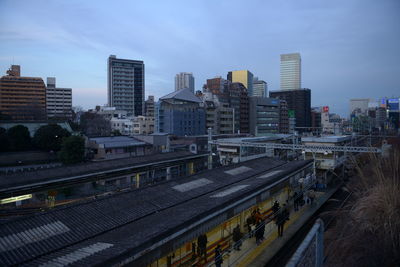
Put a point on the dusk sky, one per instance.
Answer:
(349, 49)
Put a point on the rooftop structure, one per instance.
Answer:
(118, 147)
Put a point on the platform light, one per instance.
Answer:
(15, 199)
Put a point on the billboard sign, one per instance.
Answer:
(393, 104)
(325, 109)
(291, 113)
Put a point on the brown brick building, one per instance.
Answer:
(22, 98)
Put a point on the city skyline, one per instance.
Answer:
(349, 50)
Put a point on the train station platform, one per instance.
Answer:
(258, 255)
(157, 225)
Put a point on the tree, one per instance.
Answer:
(116, 133)
(4, 143)
(94, 124)
(49, 137)
(72, 150)
(19, 138)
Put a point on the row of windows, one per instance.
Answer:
(19, 91)
(22, 101)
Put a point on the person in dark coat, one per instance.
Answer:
(275, 208)
(282, 217)
(249, 223)
(296, 201)
(236, 237)
(218, 257)
(202, 245)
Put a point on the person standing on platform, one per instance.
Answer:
(237, 236)
(218, 257)
(249, 223)
(275, 208)
(296, 201)
(282, 217)
(202, 246)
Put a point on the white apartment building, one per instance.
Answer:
(133, 125)
(58, 100)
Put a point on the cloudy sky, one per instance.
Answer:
(349, 48)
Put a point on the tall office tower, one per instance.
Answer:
(184, 80)
(58, 100)
(242, 76)
(126, 85)
(299, 101)
(260, 88)
(290, 71)
(22, 98)
(149, 106)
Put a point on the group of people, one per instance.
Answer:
(300, 198)
(256, 223)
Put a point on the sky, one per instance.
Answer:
(349, 48)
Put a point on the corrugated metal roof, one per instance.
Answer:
(183, 94)
(118, 141)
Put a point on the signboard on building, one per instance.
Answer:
(291, 113)
(393, 104)
(325, 109)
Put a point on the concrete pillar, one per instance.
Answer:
(209, 149)
(168, 173)
(137, 176)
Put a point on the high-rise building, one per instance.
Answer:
(300, 102)
(316, 119)
(126, 85)
(184, 80)
(219, 116)
(216, 85)
(260, 88)
(263, 115)
(180, 113)
(22, 98)
(290, 71)
(149, 106)
(359, 106)
(58, 100)
(242, 76)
